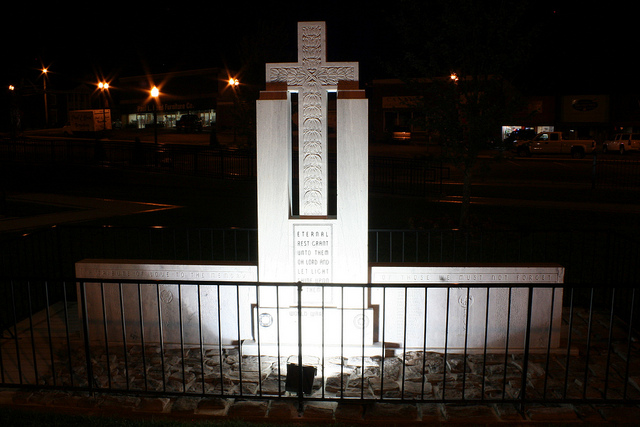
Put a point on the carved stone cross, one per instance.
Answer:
(312, 77)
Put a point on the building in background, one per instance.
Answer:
(205, 93)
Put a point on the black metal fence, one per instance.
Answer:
(588, 256)
(407, 176)
(616, 173)
(386, 175)
(130, 337)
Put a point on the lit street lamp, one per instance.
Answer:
(235, 85)
(154, 94)
(104, 86)
(44, 91)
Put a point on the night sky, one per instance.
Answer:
(105, 40)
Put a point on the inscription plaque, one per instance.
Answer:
(313, 253)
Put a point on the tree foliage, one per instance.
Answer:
(484, 47)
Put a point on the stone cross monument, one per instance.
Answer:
(312, 247)
(312, 77)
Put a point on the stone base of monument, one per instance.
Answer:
(328, 326)
(409, 310)
(251, 348)
(434, 307)
(171, 303)
(330, 331)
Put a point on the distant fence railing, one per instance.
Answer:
(417, 177)
(124, 342)
(407, 176)
(589, 256)
(616, 173)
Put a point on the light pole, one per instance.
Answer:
(235, 83)
(44, 91)
(154, 94)
(104, 86)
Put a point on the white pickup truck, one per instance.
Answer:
(556, 143)
(622, 142)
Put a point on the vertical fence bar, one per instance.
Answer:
(67, 334)
(200, 336)
(506, 346)
(258, 339)
(384, 329)
(609, 343)
(220, 340)
(300, 367)
(548, 356)
(525, 356)
(446, 344)
(181, 329)
(278, 340)
(466, 342)
(486, 340)
(48, 313)
(569, 337)
(161, 337)
(404, 343)
(241, 385)
(424, 340)
(142, 337)
(342, 387)
(363, 341)
(588, 353)
(105, 328)
(124, 336)
(85, 330)
(33, 344)
(630, 340)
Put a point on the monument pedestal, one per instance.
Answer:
(472, 317)
(175, 310)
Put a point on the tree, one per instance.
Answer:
(464, 53)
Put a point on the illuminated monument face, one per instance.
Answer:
(312, 247)
(312, 77)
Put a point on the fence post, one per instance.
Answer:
(593, 172)
(85, 329)
(525, 356)
(300, 367)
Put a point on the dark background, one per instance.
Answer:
(586, 43)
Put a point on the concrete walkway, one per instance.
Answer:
(73, 209)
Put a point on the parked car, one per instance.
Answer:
(555, 143)
(622, 142)
(189, 123)
(519, 136)
(401, 134)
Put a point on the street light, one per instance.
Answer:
(154, 94)
(45, 70)
(103, 86)
(235, 83)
